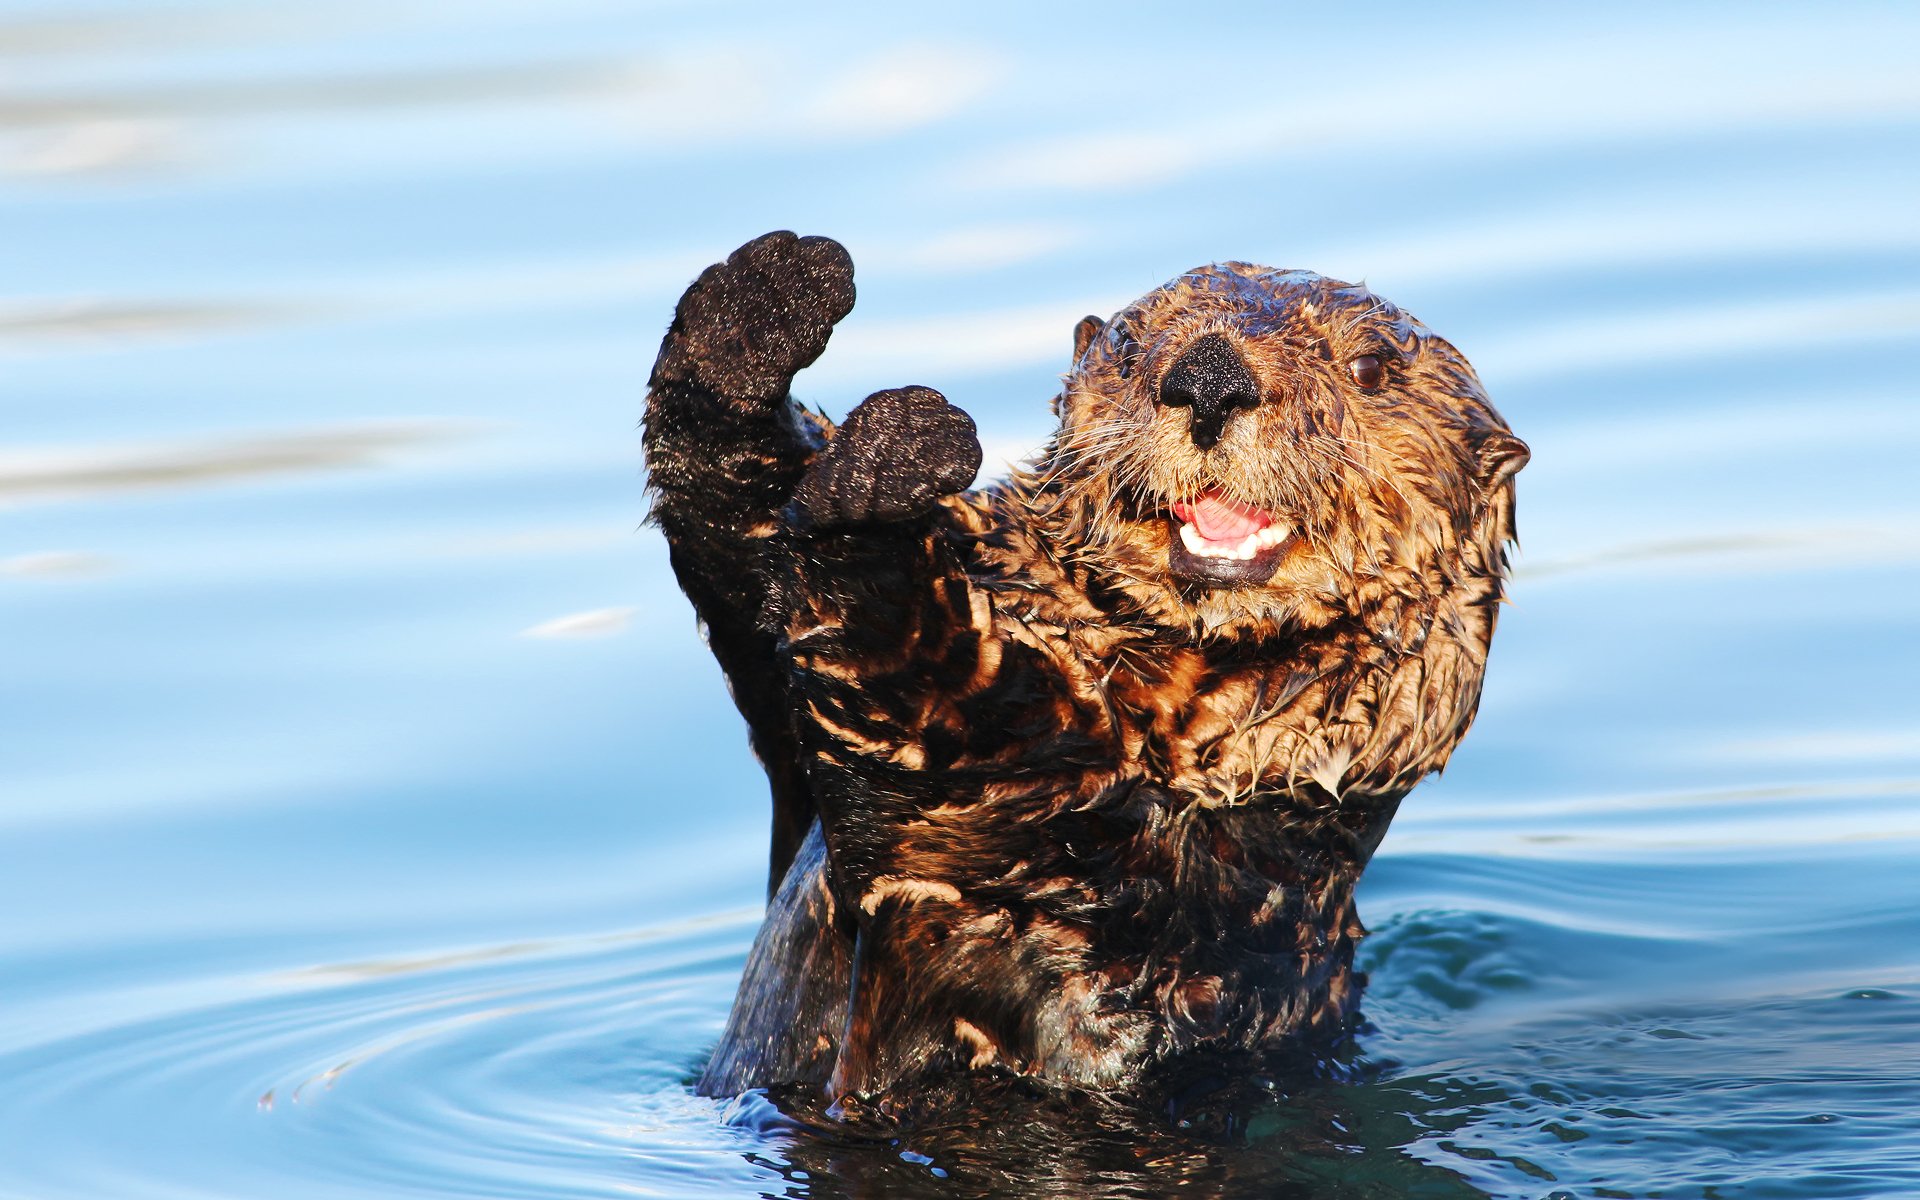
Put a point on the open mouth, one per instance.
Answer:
(1224, 543)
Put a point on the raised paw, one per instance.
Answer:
(893, 458)
(748, 324)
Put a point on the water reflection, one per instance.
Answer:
(57, 564)
(84, 321)
(267, 97)
(598, 622)
(1310, 1142)
(95, 471)
(1565, 1104)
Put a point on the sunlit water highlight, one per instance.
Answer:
(375, 823)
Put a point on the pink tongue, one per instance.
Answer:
(1220, 520)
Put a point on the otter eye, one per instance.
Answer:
(1126, 351)
(1368, 371)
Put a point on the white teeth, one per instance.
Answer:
(1243, 550)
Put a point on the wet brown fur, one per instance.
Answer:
(1078, 818)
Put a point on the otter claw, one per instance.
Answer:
(893, 458)
(747, 325)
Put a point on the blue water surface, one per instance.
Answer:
(374, 823)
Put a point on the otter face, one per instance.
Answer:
(1246, 446)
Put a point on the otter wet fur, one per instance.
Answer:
(1073, 776)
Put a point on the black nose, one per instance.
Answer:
(1212, 379)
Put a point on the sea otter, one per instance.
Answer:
(1073, 775)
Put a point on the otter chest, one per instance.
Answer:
(1207, 724)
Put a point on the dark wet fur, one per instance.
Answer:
(1072, 822)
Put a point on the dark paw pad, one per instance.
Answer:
(748, 324)
(892, 459)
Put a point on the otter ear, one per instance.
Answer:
(1083, 334)
(1501, 456)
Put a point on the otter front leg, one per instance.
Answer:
(725, 446)
(897, 454)
(876, 591)
(883, 622)
(871, 569)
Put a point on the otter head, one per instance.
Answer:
(1246, 448)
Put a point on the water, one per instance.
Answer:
(375, 824)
